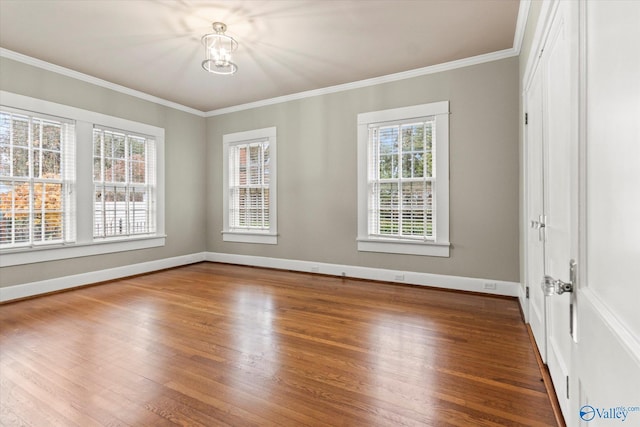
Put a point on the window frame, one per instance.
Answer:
(229, 234)
(128, 184)
(65, 181)
(82, 199)
(440, 247)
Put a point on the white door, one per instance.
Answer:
(535, 214)
(552, 189)
(608, 348)
(559, 64)
(589, 71)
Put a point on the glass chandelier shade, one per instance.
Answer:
(218, 48)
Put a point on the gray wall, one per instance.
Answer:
(184, 168)
(317, 171)
(316, 137)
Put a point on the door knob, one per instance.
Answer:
(537, 225)
(552, 286)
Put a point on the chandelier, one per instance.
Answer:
(217, 51)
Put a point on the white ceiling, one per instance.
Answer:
(286, 46)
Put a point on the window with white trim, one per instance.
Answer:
(76, 183)
(403, 180)
(124, 182)
(36, 179)
(250, 186)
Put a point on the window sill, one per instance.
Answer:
(249, 237)
(76, 250)
(391, 246)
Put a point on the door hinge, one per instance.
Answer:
(526, 118)
(527, 292)
(567, 386)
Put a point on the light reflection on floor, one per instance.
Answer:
(254, 335)
(402, 358)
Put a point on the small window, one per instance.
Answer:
(403, 190)
(124, 183)
(36, 179)
(250, 186)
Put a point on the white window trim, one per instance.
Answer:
(85, 245)
(367, 243)
(268, 237)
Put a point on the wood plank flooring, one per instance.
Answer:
(221, 345)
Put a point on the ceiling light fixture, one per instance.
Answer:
(217, 51)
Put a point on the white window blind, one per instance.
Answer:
(249, 174)
(37, 176)
(124, 177)
(401, 179)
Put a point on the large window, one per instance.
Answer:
(36, 178)
(124, 180)
(249, 186)
(403, 180)
(75, 183)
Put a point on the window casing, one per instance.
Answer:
(403, 180)
(76, 185)
(250, 186)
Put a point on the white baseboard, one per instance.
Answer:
(512, 289)
(60, 283)
(472, 284)
(524, 304)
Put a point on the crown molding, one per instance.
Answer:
(9, 54)
(461, 63)
(521, 25)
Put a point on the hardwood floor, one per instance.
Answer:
(216, 345)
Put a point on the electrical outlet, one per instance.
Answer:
(490, 285)
(399, 277)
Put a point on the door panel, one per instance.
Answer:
(559, 166)
(551, 192)
(608, 348)
(613, 156)
(535, 209)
